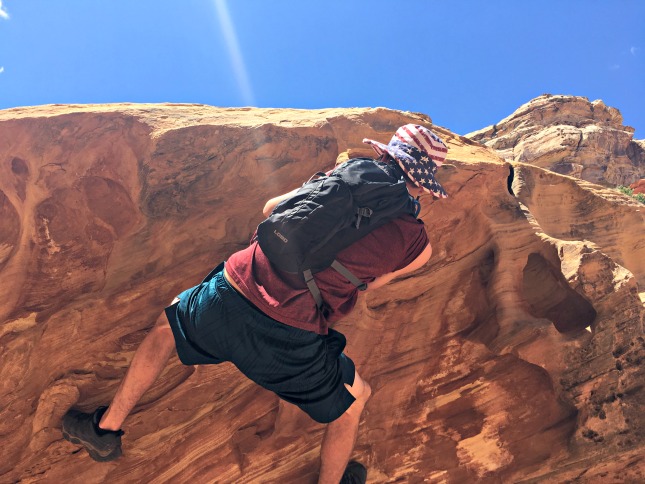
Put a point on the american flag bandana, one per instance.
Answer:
(419, 152)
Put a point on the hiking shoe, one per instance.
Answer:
(83, 428)
(355, 473)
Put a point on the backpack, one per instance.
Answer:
(304, 233)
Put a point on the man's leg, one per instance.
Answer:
(99, 431)
(149, 361)
(340, 435)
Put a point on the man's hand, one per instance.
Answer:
(271, 204)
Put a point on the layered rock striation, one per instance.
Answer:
(480, 363)
(571, 136)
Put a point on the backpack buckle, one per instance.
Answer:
(363, 212)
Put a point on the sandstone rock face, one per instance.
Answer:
(571, 136)
(480, 363)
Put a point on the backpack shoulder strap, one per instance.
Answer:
(313, 287)
(315, 291)
(360, 285)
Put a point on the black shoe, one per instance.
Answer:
(83, 428)
(355, 473)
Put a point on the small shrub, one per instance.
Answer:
(625, 190)
(630, 193)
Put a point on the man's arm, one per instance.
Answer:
(270, 205)
(417, 263)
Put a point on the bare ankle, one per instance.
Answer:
(107, 424)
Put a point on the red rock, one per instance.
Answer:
(480, 365)
(638, 187)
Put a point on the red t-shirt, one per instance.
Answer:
(285, 297)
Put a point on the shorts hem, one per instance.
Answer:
(345, 399)
(188, 353)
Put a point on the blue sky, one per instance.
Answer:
(467, 64)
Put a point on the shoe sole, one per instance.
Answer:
(114, 454)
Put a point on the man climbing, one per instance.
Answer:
(266, 322)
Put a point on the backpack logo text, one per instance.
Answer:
(281, 237)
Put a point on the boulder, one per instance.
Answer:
(571, 136)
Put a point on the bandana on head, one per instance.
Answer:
(419, 152)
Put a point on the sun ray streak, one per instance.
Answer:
(239, 68)
(3, 12)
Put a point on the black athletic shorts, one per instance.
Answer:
(212, 323)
